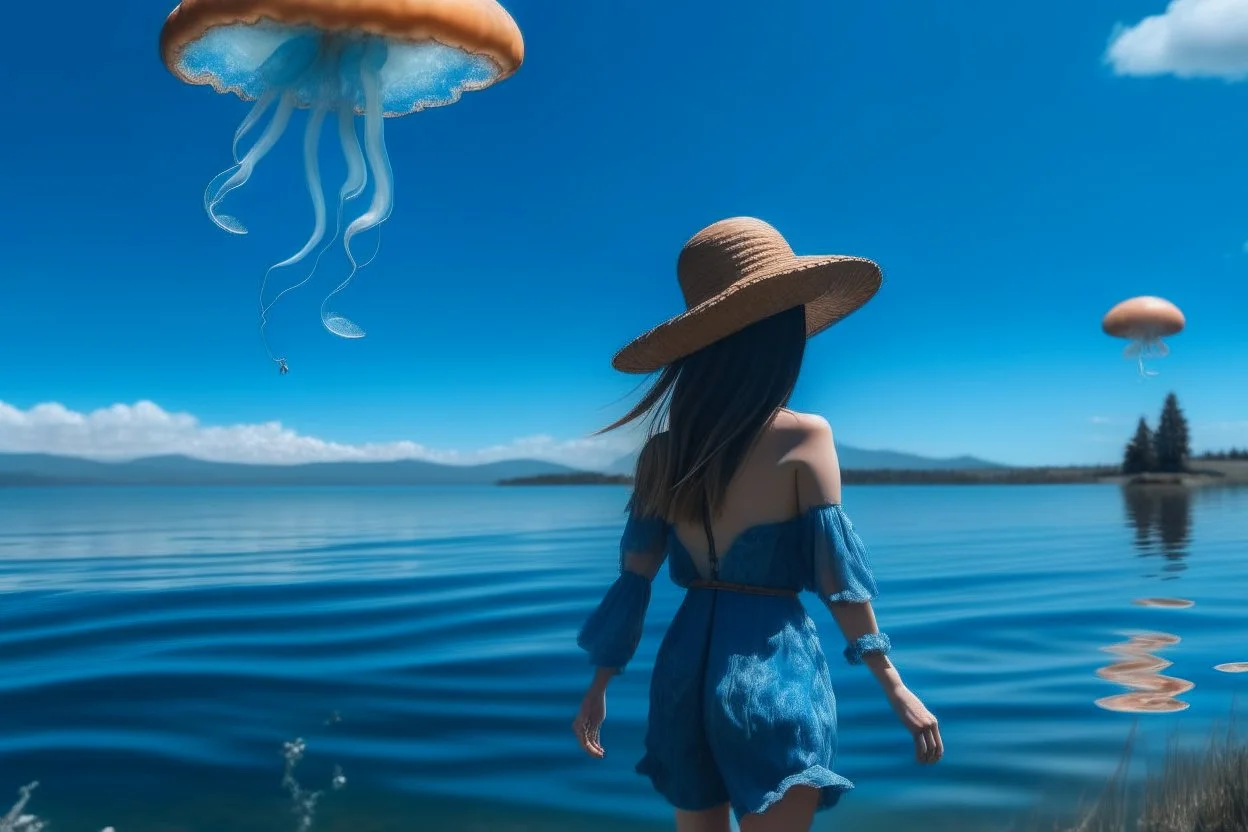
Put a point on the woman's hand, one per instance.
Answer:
(588, 723)
(928, 747)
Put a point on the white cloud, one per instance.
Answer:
(1190, 39)
(145, 429)
(1102, 420)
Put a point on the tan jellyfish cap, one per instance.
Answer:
(481, 27)
(739, 271)
(1145, 315)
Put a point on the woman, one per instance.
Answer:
(742, 497)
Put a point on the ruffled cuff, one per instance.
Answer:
(612, 632)
(840, 569)
(870, 643)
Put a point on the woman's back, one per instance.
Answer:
(780, 477)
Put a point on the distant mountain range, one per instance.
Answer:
(47, 469)
(18, 470)
(860, 459)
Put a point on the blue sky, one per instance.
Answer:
(1014, 176)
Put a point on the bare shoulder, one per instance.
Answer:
(813, 456)
(805, 432)
(804, 425)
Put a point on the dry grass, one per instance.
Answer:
(1195, 791)
(1205, 793)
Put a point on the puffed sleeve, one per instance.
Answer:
(612, 632)
(839, 570)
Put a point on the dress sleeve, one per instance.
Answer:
(612, 632)
(839, 571)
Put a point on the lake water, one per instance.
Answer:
(157, 647)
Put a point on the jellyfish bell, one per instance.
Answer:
(1145, 321)
(376, 59)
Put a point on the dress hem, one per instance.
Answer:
(830, 785)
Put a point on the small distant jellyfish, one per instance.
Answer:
(375, 58)
(1145, 321)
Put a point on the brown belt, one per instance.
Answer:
(748, 589)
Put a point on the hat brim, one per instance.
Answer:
(831, 287)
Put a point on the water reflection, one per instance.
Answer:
(1140, 671)
(1162, 518)
(1165, 603)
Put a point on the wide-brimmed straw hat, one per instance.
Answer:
(739, 271)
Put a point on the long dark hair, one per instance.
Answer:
(717, 402)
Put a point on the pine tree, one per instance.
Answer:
(1171, 440)
(1140, 456)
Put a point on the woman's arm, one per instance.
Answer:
(601, 678)
(857, 620)
(819, 484)
(848, 594)
(613, 631)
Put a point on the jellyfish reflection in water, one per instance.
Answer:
(1140, 671)
(375, 58)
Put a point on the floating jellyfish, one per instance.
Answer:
(1145, 321)
(372, 58)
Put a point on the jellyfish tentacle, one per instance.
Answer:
(352, 153)
(214, 186)
(352, 186)
(375, 150)
(257, 112)
(376, 251)
(1143, 347)
(383, 190)
(242, 172)
(357, 172)
(312, 173)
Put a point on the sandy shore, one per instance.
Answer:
(1203, 473)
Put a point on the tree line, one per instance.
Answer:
(1233, 453)
(1165, 450)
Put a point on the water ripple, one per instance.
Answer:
(181, 637)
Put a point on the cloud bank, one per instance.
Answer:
(145, 429)
(1190, 39)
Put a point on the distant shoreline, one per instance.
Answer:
(578, 478)
(1203, 474)
(986, 476)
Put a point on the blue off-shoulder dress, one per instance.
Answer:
(741, 705)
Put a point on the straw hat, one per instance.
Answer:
(739, 271)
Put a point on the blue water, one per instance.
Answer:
(157, 647)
